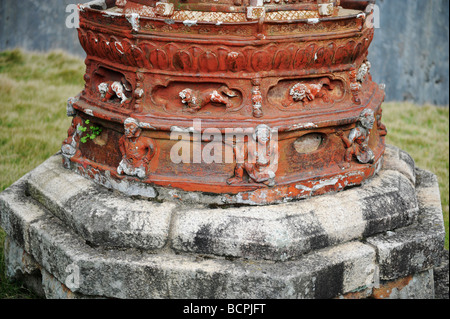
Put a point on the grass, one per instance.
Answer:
(35, 87)
(423, 132)
(34, 90)
(33, 123)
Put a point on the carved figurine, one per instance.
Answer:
(257, 98)
(139, 92)
(355, 86)
(357, 142)
(258, 159)
(382, 129)
(308, 92)
(114, 88)
(70, 144)
(363, 72)
(196, 100)
(326, 9)
(137, 151)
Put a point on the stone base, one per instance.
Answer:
(71, 238)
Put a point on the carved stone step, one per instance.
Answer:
(355, 253)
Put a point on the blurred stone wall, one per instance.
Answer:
(410, 52)
(37, 25)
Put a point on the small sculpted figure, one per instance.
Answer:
(196, 100)
(114, 88)
(306, 93)
(382, 129)
(257, 98)
(70, 144)
(355, 86)
(258, 159)
(326, 9)
(357, 142)
(137, 151)
(363, 72)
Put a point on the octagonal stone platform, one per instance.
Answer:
(353, 243)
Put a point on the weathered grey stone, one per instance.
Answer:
(53, 289)
(134, 274)
(21, 266)
(18, 263)
(398, 160)
(418, 247)
(419, 286)
(441, 277)
(127, 187)
(98, 215)
(337, 251)
(275, 232)
(286, 231)
(18, 211)
(139, 274)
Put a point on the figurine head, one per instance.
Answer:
(298, 92)
(367, 119)
(262, 134)
(186, 95)
(103, 88)
(132, 128)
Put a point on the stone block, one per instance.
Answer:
(417, 286)
(286, 231)
(276, 232)
(100, 216)
(418, 247)
(381, 240)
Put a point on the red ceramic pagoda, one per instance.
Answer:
(255, 101)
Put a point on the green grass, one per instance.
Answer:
(35, 87)
(34, 90)
(423, 132)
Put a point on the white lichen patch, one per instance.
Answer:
(190, 23)
(133, 19)
(313, 20)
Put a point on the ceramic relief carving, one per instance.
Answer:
(196, 100)
(256, 159)
(356, 143)
(111, 89)
(306, 93)
(137, 151)
(297, 68)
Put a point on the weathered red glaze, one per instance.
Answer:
(300, 71)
